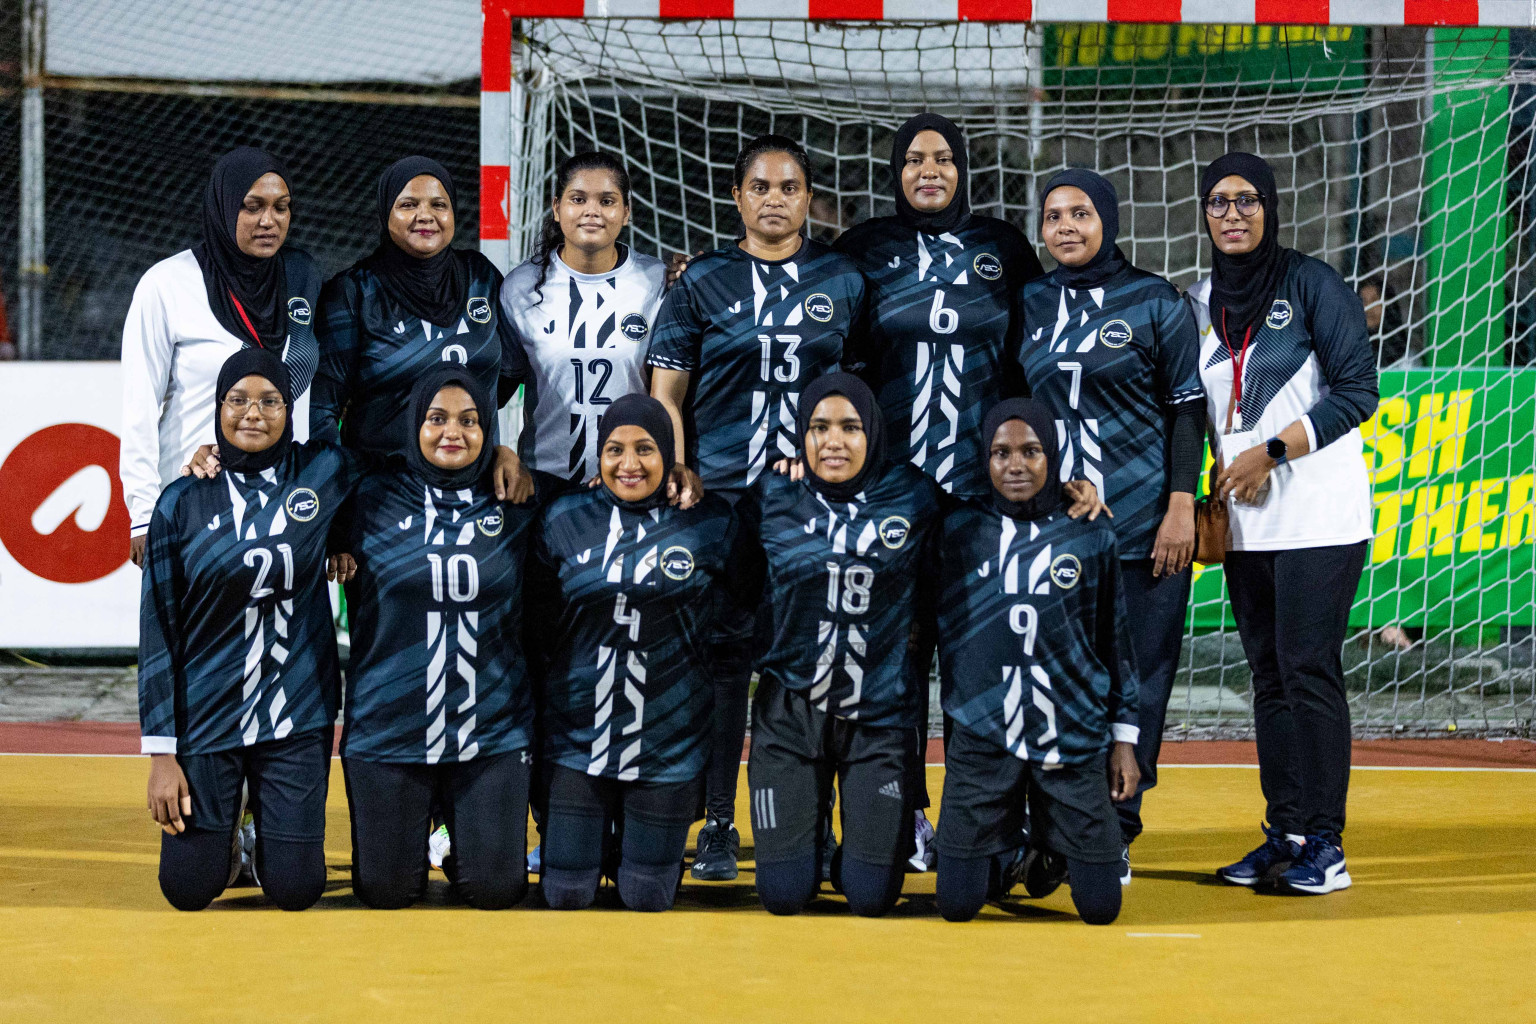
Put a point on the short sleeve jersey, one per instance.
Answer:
(437, 671)
(236, 643)
(941, 320)
(751, 333)
(1113, 364)
(1034, 647)
(585, 337)
(628, 695)
(842, 581)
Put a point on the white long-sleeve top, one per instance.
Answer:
(173, 348)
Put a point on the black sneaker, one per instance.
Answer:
(1044, 872)
(719, 846)
(828, 855)
(1011, 871)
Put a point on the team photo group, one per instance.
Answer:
(772, 483)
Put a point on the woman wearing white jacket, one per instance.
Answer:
(238, 287)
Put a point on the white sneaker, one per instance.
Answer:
(439, 846)
(247, 834)
(925, 854)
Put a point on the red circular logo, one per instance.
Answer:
(53, 520)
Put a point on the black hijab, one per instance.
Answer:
(1244, 286)
(863, 401)
(236, 280)
(1109, 260)
(1049, 498)
(265, 363)
(426, 389)
(953, 216)
(650, 415)
(433, 289)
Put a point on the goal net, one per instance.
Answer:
(1402, 160)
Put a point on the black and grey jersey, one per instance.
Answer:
(1034, 646)
(627, 692)
(942, 314)
(842, 582)
(751, 333)
(1114, 364)
(372, 352)
(585, 337)
(437, 672)
(236, 643)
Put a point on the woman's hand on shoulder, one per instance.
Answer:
(204, 463)
(340, 568)
(684, 488)
(792, 468)
(1083, 500)
(513, 481)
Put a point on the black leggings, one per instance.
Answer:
(1292, 610)
(485, 805)
(1157, 636)
(655, 819)
(730, 669)
(288, 779)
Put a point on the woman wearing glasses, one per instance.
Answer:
(1289, 376)
(238, 677)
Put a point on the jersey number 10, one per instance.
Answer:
(463, 577)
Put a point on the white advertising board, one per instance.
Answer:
(65, 578)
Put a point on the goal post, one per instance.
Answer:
(1400, 133)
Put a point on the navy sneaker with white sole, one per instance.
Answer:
(1125, 864)
(1319, 870)
(1264, 863)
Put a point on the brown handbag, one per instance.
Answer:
(1213, 522)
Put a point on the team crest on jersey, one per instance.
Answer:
(1066, 570)
(988, 266)
(893, 532)
(819, 307)
(303, 504)
(634, 327)
(1115, 334)
(677, 563)
(298, 310)
(490, 524)
(1279, 315)
(479, 309)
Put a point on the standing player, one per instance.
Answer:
(238, 677)
(413, 303)
(627, 695)
(581, 309)
(239, 287)
(740, 334)
(1111, 350)
(1290, 375)
(943, 283)
(1038, 680)
(439, 707)
(847, 548)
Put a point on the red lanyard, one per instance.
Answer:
(1238, 359)
(247, 320)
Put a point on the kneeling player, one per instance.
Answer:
(1038, 680)
(238, 677)
(845, 550)
(627, 693)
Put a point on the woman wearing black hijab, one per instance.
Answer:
(1038, 680)
(625, 713)
(1112, 351)
(414, 303)
(240, 287)
(238, 676)
(439, 704)
(943, 285)
(847, 548)
(1289, 376)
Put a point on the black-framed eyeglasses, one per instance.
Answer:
(1247, 204)
(271, 405)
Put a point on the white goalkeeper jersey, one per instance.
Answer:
(173, 349)
(586, 337)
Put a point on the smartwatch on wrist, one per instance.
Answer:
(1275, 449)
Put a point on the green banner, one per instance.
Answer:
(1452, 459)
(1301, 57)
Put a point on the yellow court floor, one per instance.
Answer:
(1440, 926)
